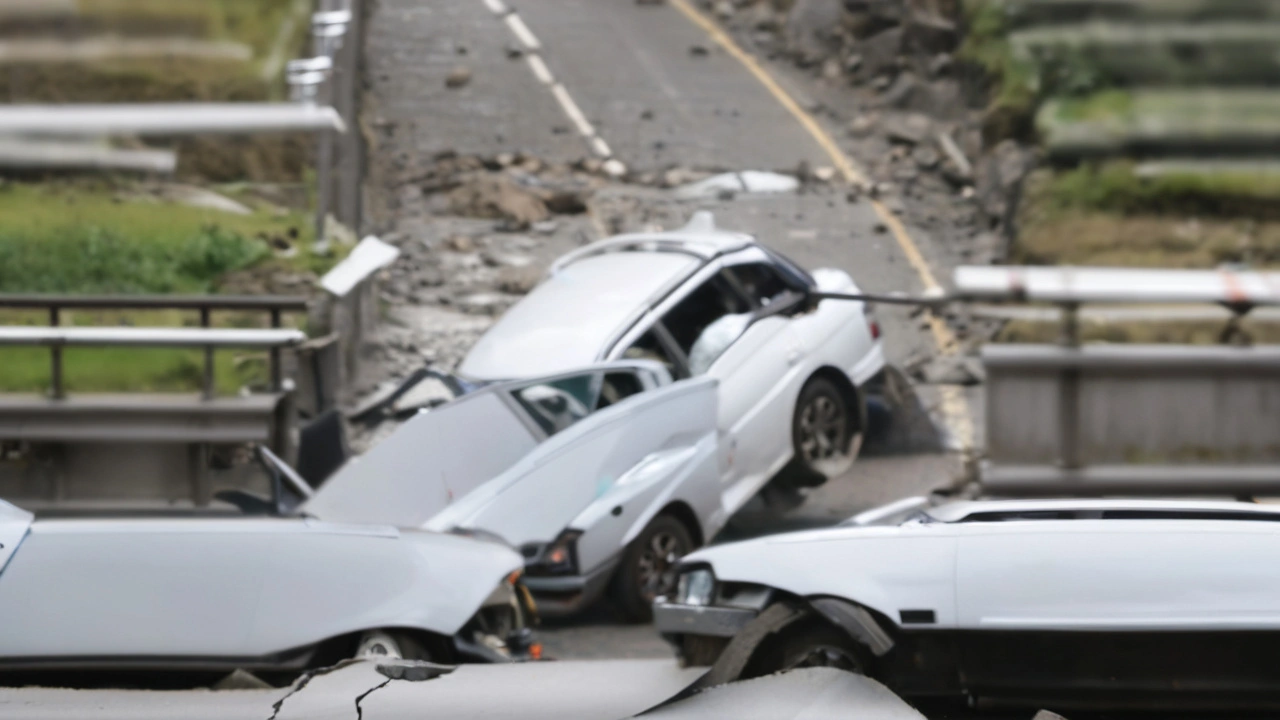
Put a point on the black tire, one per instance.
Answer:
(391, 644)
(823, 428)
(647, 567)
(701, 650)
(812, 643)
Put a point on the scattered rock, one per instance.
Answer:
(880, 52)
(566, 203)
(518, 280)
(458, 77)
(901, 93)
(511, 260)
(460, 243)
(824, 174)
(880, 228)
(940, 64)
(864, 125)
(832, 69)
(412, 670)
(926, 157)
(514, 51)
(614, 168)
(959, 165)
(699, 50)
(496, 197)
(483, 303)
(724, 9)
(546, 227)
(910, 129)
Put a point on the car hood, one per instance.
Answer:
(544, 492)
(435, 458)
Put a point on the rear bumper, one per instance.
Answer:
(561, 596)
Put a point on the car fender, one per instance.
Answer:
(687, 474)
(885, 569)
(338, 582)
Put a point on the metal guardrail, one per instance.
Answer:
(57, 337)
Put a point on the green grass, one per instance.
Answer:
(90, 237)
(1015, 86)
(27, 370)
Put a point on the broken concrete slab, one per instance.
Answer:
(561, 690)
(39, 703)
(808, 694)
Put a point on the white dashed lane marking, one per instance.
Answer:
(543, 73)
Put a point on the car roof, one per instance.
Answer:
(962, 510)
(699, 238)
(568, 320)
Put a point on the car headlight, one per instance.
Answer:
(559, 557)
(696, 587)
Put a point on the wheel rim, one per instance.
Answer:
(656, 565)
(822, 430)
(827, 656)
(379, 645)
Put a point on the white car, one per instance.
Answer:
(602, 477)
(266, 591)
(793, 369)
(1057, 602)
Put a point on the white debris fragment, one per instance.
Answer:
(614, 167)
(747, 181)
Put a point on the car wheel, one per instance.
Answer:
(390, 645)
(648, 567)
(822, 433)
(810, 644)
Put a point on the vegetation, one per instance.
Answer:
(95, 237)
(1014, 93)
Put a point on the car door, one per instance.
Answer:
(1048, 599)
(717, 329)
(140, 588)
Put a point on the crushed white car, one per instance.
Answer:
(602, 477)
(268, 590)
(1062, 602)
(793, 369)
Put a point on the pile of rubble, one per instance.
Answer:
(917, 110)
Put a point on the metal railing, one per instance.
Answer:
(57, 337)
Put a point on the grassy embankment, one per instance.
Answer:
(114, 234)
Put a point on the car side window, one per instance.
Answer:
(707, 322)
(649, 347)
(761, 281)
(618, 386)
(557, 405)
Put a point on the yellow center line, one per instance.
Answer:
(954, 407)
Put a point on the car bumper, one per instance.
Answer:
(561, 596)
(673, 620)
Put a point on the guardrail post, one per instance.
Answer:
(56, 388)
(1069, 393)
(207, 386)
(277, 372)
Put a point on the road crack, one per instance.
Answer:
(367, 693)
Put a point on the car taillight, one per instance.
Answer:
(869, 312)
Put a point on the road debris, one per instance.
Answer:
(458, 77)
(746, 181)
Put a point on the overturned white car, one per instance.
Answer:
(793, 369)
(269, 591)
(601, 476)
(1057, 602)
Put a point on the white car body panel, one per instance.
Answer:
(431, 461)
(1110, 574)
(542, 494)
(210, 588)
(1042, 574)
(883, 568)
